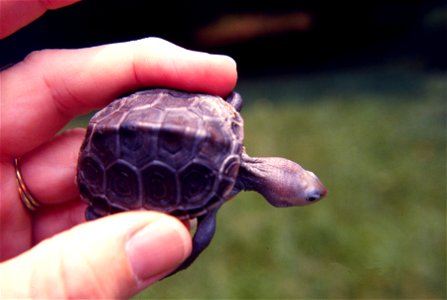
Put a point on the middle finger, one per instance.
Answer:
(49, 171)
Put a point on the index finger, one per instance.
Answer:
(42, 93)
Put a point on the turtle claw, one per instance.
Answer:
(90, 214)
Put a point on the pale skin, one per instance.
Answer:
(52, 252)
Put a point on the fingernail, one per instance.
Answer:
(156, 249)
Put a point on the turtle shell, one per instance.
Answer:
(161, 150)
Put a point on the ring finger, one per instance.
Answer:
(49, 170)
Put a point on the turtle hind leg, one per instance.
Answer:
(94, 212)
(206, 226)
(91, 214)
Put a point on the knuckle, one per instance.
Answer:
(37, 56)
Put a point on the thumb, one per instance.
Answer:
(113, 257)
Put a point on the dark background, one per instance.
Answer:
(338, 33)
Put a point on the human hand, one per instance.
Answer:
(51, 252)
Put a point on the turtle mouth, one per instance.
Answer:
(282, 204)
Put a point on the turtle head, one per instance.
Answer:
(281, 181)
(304, 189)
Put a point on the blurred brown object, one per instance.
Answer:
(234, 28)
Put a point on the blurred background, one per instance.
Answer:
(353, 90)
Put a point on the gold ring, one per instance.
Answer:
(27, 199)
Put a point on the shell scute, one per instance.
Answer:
(137, 145)
(178, 136)
(159, 186)
(146, 116)
(123, 185)
(104, 140)
(93, 173)
(196, 183)
(217, 143)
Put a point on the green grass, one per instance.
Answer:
(377, 140)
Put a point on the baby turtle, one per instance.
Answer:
(182, 154)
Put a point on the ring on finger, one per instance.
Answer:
(25, 195)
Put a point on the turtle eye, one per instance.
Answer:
(315, 195)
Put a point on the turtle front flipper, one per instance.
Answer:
(206, 226)
(90, 214)
(235, 100)
(281, 181)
